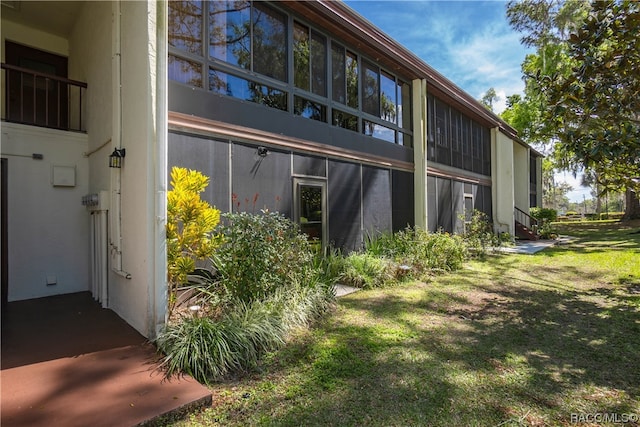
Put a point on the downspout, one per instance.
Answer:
(160, 287)
(115, 243)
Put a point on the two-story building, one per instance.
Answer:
(301, 107)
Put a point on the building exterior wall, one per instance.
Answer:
(48, 228)
(502, 177)
(521, 176)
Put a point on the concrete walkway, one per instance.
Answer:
(531, 247)
(68, 362)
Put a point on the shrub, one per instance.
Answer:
(479, 235)
(191, 222)
(365, 270)
(544, 214)
(208, 349)
(260, 254)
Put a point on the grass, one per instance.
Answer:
(512, 340)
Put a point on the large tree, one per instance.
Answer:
(595, 108)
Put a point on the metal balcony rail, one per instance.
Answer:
(41, 99)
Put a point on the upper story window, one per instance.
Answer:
(309, 60)
(255, 52)
(454, 139)
(252, 38)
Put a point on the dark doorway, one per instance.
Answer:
(4, 242)
(33, 97)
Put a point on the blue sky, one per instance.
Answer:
(469, 42)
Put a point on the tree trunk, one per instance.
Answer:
(632, 210)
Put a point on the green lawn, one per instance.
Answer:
(511, 340)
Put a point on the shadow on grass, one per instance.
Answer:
(522, 347)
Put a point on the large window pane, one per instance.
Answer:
(185, 26)
(338, 73)
(378, 131)
(344, 120)
(227, 84)
(183, 71)
(318, 64)
(404, 105)
(309, 109)
(230, 32)
(269, 42)
(370, 89)
(301, 56)
(388, 102)
(351, 65)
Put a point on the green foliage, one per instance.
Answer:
(365, 270)
(191, 222)
(261, 253)
(209, 349)
(543, 214)
(594, 108)
(421, 250)
(479, 235)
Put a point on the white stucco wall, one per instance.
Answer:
(48, 228)
(90, 61)
(502, 177)
(521, 176)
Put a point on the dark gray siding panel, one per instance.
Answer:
(211, 157)
(445, 215)
(376, 200)
(457, 199)
(344, 206)
(201, 103)
(402, 199)
(432, 204)
(310, 166)
(261, 182)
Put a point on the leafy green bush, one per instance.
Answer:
(544, 214)
(261, 253)
(190, 227)
(365, 270)
(479, 235)
(420, 250)
(208, 349)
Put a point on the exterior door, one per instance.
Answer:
(310, 209)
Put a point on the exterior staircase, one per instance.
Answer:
(525, 226)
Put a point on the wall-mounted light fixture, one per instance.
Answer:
(262, 151)
(116, 158)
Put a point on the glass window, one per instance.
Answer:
(269, 42)
(404, 105)
(344, 120)
(309, 109)
(185, 26)
(378, 131)
(370, 89)
(318, 64)
(230, 32)
(338, 73)
(441, 124)
(405, 139)
(237, 87)
(388, 101)
(351, 64)
(301, 56)
(183, 71)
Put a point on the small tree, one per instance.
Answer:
(191, 222)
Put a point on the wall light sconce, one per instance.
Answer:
(116, 158)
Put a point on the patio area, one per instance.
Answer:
(67, 361)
